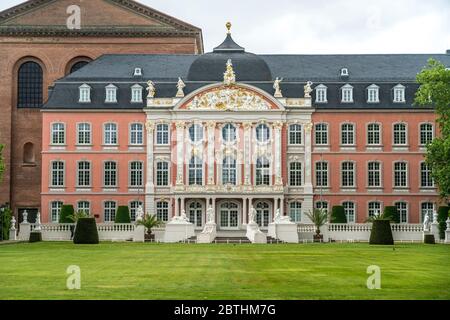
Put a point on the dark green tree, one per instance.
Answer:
(338, 215)
(434, 91)
(123, 215)
(67, 212)
(391, 213)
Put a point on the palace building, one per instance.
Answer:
(235, 130)
(37, 47)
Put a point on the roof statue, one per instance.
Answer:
(308, 89)
(151, 89)
(229, 76)
(180, 86)
(276, 86)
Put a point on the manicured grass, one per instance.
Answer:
(160, 271)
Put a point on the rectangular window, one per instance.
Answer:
(136, 94)
(110, 134)
(85, 93)
(321, 94)
(84, 206)
(295, 211)
(348, 174)
(402, 208)
(84, 133)
(110, 211)
(347, 134)
(347, 95)
(84, 174)
(57, 174)
(399, 94)
(111, 94)
(321, 134)
(110, 174)
(400, 174)
(262, 172)
(295, 174)
(321, 174)
(400, 134)
(426, 180)
(162, 211)
(58, 133)
(373, 134)
(372, 95)
(295, 134)
(55, 210)
(426, 133)
(136, 134)
(162, 174)
(136, 174)
(350, 212)
(162, 134)
(374, 174)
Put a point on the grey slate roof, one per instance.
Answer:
(385, 70)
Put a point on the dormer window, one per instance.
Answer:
(321, 94)
(85, 93)
(399, 94)
(111, 94)
(344, 72)
(136, 94)
(347, 94)
(373, 95)
(137, 72)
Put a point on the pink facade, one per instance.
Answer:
(412, 153)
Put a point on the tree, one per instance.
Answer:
(391, 212)
(2, 163)
(319, 217)
(149, 222)
(123, 215)
(434, 90)
(338, 215)
(67, 211)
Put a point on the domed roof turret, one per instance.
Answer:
(247, 66)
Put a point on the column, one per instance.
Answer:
(180, 125)
(211, 125)
(244, 211)
(150, 184)
(308, 188)
(177, 206)
(247, 152)
(282, 206)
(277, 126)
(215, 211)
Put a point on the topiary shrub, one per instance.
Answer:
(429, 239)
(35, 237)
(338, 215)
(381, 233)
(391, 213)
(67, 212)
(123, 215)
(443, 213)
(86, 232)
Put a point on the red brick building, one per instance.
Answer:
(37, 48)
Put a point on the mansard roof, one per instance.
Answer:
(162, 24)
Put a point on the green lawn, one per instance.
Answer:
(161, 271)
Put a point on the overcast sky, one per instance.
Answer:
(316, 26)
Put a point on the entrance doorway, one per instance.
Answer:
(229, 215)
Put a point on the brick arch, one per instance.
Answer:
(74, 61)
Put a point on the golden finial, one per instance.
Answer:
(228, 25)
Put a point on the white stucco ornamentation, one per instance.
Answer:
(229, 77)
(230, 98)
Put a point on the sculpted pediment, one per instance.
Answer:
(229, 98)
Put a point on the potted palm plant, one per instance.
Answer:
(319, 217)
(150, 221)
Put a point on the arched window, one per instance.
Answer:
(229, 215)
(195, 171)
(229, 133)
(28, 153)
(262, 133)
(350, 211)
(229, 170)
(374, 208)
(262, 214)
(30, 82)
(195, 213)
(262, 171)
(78, 65)
(134, 205)
(196, 132)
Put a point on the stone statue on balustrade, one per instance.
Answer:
(252, 215)
(139, 214)
(426, 223)
(210, 215)
(279, 218)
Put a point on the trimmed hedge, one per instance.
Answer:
(442, 218)
(123, 215)
(86, 231)
(429, 239)
(66, 211)
(391, 212)
(35, 237)
(338, 215)
(381, 233)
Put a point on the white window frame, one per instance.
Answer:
(373, 94)
(262, 137)
(399, 94)
(347, 94)
(379, 131)
(353, 136)
(60, 179)
(406, 209)
(84, 93)
(327, 174)
(226, 135)
(162, 134)
(347, 209)
(197, 165)
(162, 209)
(116, 172)
(230, 168)
(110, 208)
(135, 174)
(295, 211)
(86, 133)
(378, 172)
(294, 180)
(84, 171)
(134, 206)
(321, 94)
(136, 94)
(394, 176)
(295, 136)
(136, 133)
(351, 172)
(112, 133)
(429, 211)
(111, 94)
(429, 181)
(264, 171)
(79, 208)
(399, 133)
(425, 132)
(60, 132)
(55, 210)
(162, 173)
(372, 210)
